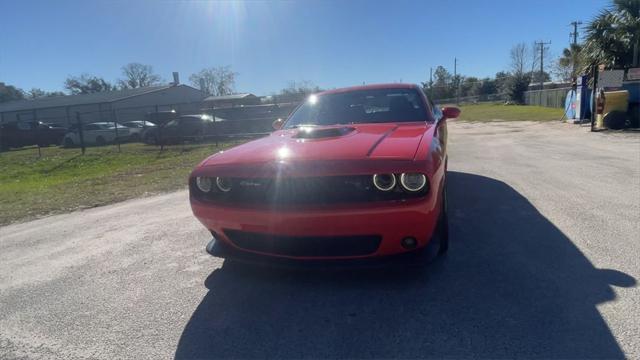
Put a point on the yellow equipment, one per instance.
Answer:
(612, 101)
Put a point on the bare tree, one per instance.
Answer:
(215, 81)
(303, 87)
(138, 75)
(519, 58)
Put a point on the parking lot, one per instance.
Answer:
(544, 263)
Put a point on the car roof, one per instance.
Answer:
(369, 87)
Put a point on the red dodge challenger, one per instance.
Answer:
(353, 173)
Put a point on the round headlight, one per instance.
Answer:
(413, 181)
(203, 183)
(384, 182)
(223, 184)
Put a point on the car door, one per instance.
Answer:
(90, 132)
(190, 129)
(25, 134)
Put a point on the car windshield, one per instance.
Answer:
(363, 106)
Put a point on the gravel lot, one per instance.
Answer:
(544, 263)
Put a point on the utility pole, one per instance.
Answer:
(542, 44)
(575, 31)
(455, 78)
(573, 48)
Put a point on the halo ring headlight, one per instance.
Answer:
(384, 182)
(413, 181)
(223, 184)
(203, 183)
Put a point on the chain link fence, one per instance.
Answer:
(157, 125)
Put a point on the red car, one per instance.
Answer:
(353, 173)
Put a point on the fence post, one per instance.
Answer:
(38, 133)
(594, 106)
(160, 126)
(80, 132)
(114, 117)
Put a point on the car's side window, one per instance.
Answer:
(91, 127)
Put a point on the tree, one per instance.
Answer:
(138, 75)
(613, 36)
(470, 86)
(535, 76)
(515, 86)
(517, 82)
(501, 78)
(442, 86)
(36, 93)
(10, 93)
(87, 84)
(567, 67)
(520, 56)
(216, 81)
(304, 87)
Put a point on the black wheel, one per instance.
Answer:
(443, 224)
(100, 141)
(68, 142)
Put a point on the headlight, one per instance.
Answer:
(203, 183)
(223, 184)
(413, 181)
(384, 182)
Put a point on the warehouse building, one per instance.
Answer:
(123, 105)
(243, 99)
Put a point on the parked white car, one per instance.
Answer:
(136, 127)
(99, 133)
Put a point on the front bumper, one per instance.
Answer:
(416, 258)
(391, 222)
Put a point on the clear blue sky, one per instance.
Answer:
(331, 43)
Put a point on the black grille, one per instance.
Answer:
(312, 246)
(304, 191)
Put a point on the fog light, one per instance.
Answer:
(203, 183)
(384, 182)
(223, 184)
(409, 242)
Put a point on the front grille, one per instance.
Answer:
(308, 246)
(324, 190)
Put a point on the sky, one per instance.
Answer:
(270, 44)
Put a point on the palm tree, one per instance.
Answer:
(568, 66)
(613, 36)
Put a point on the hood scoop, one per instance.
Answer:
(320, 133)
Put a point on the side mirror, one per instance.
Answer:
(277, 125)
(450, 112)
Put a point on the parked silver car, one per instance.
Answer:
(98, 133)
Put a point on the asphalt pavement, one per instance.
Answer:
(544, 262)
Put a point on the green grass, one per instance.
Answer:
(499, 112)
(63, 180)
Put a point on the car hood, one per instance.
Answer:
(398, 141)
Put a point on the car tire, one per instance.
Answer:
(68, 142)
(100, 141)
